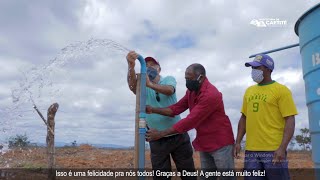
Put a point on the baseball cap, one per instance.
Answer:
(261, 59)
(151, 59)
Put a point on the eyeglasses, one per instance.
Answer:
(157, 97)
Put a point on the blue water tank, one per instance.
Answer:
(308, 30)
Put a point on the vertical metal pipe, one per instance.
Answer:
(142, 115)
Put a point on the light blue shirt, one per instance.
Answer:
(157, 121)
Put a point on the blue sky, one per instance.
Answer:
(96, 105)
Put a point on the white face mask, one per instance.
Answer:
(257, 75)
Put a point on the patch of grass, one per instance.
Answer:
(28, 165)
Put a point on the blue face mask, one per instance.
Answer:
(152, 73)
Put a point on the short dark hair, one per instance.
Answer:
(198, 69)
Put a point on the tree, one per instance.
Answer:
(74, 143)
(18, 141)
(304, 139)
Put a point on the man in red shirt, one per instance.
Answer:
(214, 137)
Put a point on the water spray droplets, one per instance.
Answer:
(37, 85)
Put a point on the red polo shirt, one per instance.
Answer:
(207, 116)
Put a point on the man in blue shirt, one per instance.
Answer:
(161, 93)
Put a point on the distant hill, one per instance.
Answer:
(62, 144)
(110, 146)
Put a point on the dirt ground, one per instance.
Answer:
(86, 156)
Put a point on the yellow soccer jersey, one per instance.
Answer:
(265, 107)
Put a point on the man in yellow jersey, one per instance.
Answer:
(268, 119)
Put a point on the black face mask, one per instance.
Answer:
(193, 85)
(152, 73)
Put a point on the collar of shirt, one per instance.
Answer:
(204, 85)
(202, 88)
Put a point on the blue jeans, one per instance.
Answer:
(219, 160)
(262, 160)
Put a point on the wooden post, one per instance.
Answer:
(50, 139)
(136, 134)
(41, 116)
